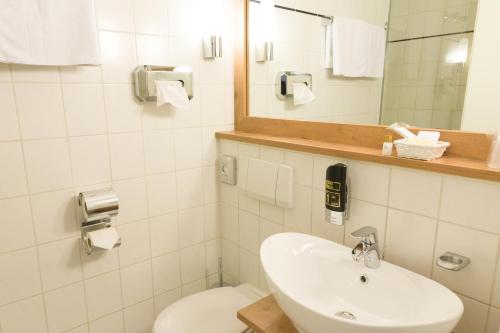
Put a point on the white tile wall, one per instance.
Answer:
(68, 129)
(418, 215)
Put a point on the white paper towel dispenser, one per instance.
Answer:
(266, 181)
(96, 230)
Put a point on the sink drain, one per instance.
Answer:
(346, 315)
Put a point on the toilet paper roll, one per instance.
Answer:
(103, 238)
(171, 92)
(98, 205)
(302, 94)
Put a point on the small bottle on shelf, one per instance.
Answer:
(387, 147)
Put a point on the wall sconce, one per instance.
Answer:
(264, 51)
(264, 35)
(212, 47)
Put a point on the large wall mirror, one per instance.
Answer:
(409, 60)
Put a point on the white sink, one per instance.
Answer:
(319, 286)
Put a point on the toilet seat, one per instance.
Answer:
(210, 311)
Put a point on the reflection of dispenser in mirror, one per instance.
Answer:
(98, 207)
(336, 194)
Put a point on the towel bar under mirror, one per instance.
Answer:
(422, 79)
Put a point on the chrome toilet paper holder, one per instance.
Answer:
(285, 81)
(146, 75)
(98, 207)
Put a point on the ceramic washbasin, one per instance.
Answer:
(323, 290)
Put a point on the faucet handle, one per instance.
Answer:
(364, 232)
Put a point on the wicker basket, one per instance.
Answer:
(419, 151)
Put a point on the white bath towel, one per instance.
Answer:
(358, 48)
(328, 55)
(48, 32)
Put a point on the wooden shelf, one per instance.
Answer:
(265, 316)
(448, 164)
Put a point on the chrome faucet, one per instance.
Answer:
(367, 248)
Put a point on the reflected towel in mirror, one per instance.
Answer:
(357, 47)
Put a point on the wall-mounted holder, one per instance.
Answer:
(264, 51)
(285, 81)
(96, 231)
(452, 261)
(145, 78)
(212, 47)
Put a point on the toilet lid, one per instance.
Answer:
(211, 311)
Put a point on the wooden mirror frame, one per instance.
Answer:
(466, 156)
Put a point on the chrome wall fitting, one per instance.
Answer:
(145, 78)
(452, 261)
(98, 207)
(264, 51)
(367, 249)
(212, 47)
(285, 81)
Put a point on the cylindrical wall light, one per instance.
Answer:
(264, 44)
(264, 51)
(212, 47)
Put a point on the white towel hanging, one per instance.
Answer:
(48, 32)
(328, 55)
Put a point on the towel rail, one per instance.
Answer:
(328, 17)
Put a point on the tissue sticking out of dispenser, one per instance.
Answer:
(287, 83)
(171, 92)
(146, 77)
(97, 208)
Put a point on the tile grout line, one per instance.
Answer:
(389, 183)
(35, 238)
(73, 182)
(141, 110)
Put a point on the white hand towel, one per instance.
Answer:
(358, 48)
(328, 55)
(302, 94)
(48, 32)
(171, 92)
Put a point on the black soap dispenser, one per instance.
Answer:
(336, 194)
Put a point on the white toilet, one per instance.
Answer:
(210, 311)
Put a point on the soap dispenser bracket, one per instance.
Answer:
(145, 78)
(285, 81)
